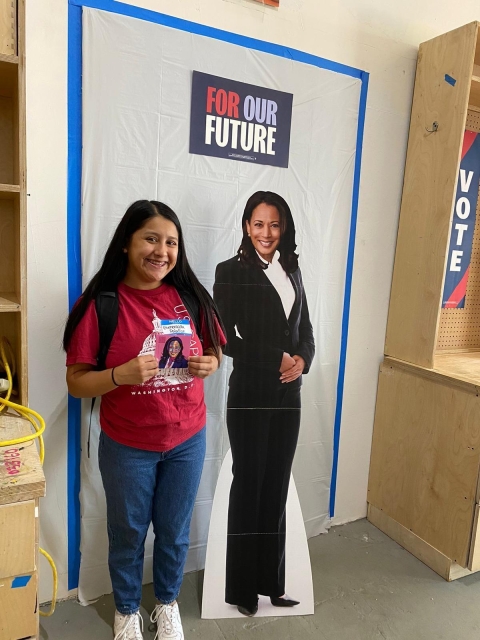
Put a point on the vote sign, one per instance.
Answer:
(463, 224)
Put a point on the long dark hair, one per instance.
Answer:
(114, 269)
(288, 258)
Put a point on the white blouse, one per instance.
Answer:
(280, 281)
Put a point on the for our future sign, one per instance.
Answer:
(239, 121)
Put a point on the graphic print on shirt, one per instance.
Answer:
(170, 343)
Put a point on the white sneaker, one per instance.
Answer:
(129, 627)
(169, 624)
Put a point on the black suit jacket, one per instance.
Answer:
(248, 301)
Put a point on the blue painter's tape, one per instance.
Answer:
(74, 276)
(218, 34)
(348, 289)
(21, 581)
(450, 80)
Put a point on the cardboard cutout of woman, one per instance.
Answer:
(261, 299)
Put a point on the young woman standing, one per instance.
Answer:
(152, 441)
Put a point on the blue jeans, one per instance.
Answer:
(143, 487)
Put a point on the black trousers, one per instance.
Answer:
(263, 443)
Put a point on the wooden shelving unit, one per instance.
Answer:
(424, 484)
(22, 481)
(13, 311)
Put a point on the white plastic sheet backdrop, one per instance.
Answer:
(136, 109)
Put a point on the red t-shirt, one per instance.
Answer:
(162, 412)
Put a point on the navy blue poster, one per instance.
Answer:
(463, 224)
(238, 121)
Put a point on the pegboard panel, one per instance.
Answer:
(460, 328)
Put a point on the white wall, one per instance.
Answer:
(377, 36)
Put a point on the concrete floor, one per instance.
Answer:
(365, 585)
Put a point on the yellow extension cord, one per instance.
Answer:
(39, 427)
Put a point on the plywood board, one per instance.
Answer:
(428, 193)
(10, 328)
(9, 301)
(477, 51)
(29, 482)
(475, 91)
(18, 607)
(8, 28)
(462, 366)
(7, 140)
(17, 533)
(425, 458)
(8, 247)
(9, 191)
(411, 542)
(427, 554)
(459, 329)
(474, 559)
(453, 374)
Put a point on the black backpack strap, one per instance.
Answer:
(90, 426)
(106, 306)
(191, 304)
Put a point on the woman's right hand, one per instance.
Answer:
(287, 363)
(136, 371)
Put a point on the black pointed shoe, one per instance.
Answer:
(283, 602)
(246, 611)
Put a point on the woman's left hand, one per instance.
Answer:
(294, 372)
(202, 366)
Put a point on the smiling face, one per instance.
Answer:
(174, 349)
(152, 253)
(264, 228)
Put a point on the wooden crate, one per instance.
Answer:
(17, 533)
(29, 482)
(21, 484)
(18, 607)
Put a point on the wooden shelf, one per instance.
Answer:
(459, 366)
(9, 191)
(9, 302)
(4, 59)
(456, 370)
